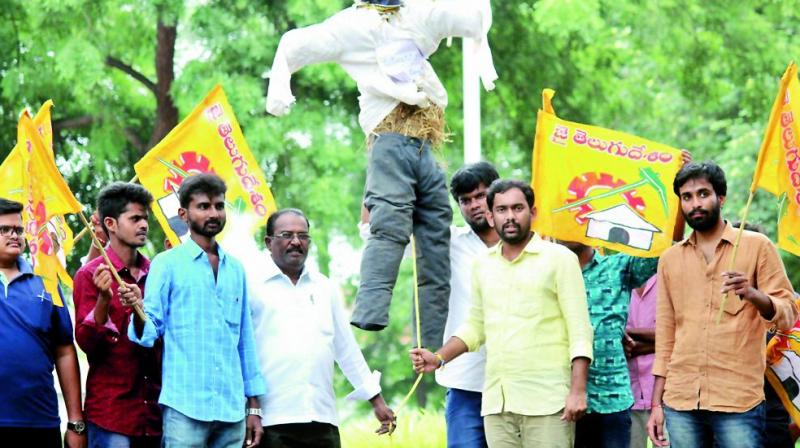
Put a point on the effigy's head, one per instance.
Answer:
(382, 3)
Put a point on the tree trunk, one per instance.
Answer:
(166, 112)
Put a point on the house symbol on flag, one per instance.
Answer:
(621, 224)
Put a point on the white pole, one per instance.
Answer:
(472, 104)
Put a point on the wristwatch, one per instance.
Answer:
(253, 411)
(78, 427)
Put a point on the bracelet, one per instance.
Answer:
(656, 405)
(253, 411)
(442, 362)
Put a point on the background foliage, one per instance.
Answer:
(693, 74)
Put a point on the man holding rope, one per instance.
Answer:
(709, 364)
(529, 307)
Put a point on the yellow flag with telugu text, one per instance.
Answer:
(602, 187)
(209, 140)
(778, 166)
(45, 195)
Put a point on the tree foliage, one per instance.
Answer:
(692, 74)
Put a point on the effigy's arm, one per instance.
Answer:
(298, 48)
(466, 18)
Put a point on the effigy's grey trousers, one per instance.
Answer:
(405, 192)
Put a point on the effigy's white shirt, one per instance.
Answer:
(385, 54)
(300, 331)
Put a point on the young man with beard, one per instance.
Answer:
(302, 329)
(529, 308)
(196, 299)
(464, 376)
(35, 337)
(124, 378)
(709, 374)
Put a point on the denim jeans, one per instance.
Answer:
(102, 438)
(462, 412)
(697, 429)
(611, 430)
(181, 431)
(405, 193)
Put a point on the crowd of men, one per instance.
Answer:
(547, 343)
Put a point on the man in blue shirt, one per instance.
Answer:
(196, 299)
(35, 336)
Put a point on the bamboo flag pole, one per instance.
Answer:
(732, 263)
(138, 309)
(82, 233)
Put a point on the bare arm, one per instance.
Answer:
(69, 378)
(425, 362)
(576, 400)
(655, 425)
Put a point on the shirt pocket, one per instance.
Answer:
(232, 310)
(36, 312)
(733, 304)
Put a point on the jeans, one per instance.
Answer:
(696, 429)
(102, 438)
(405, 193)
(181, 431)
(611, 430)
(464, 422)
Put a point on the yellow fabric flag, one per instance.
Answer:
(11, 187)
(778, 166)
(209, 140)
(602, 187)
(783, 368)
(45, 195)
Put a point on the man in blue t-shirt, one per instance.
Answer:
(35, 336)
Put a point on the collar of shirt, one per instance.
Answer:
(271, 270)
(534, 246)
(194, 251)
(142, 262)
(651, 283)
(729, 235)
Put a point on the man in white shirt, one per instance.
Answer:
(300, 330)
(464, 375)
(384, 46)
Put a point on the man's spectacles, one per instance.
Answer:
(8, 230)
(289, 236)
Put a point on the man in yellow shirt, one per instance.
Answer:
(529, 308)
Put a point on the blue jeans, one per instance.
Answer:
(462, 411)
(696, 429)
(181, 431)
(611, 430)
(102, 438)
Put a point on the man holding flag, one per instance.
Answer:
(709, 364)
(35, 337)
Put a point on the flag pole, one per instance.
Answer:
(731, 264)
(138, 309)
(82, 233)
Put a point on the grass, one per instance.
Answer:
(415, 428)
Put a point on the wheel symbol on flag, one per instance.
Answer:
(582, 186)
(188, 163)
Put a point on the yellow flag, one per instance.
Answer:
(778, 166)
(45, 195)
(602, 187)
(209, 140)
(11, 187)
